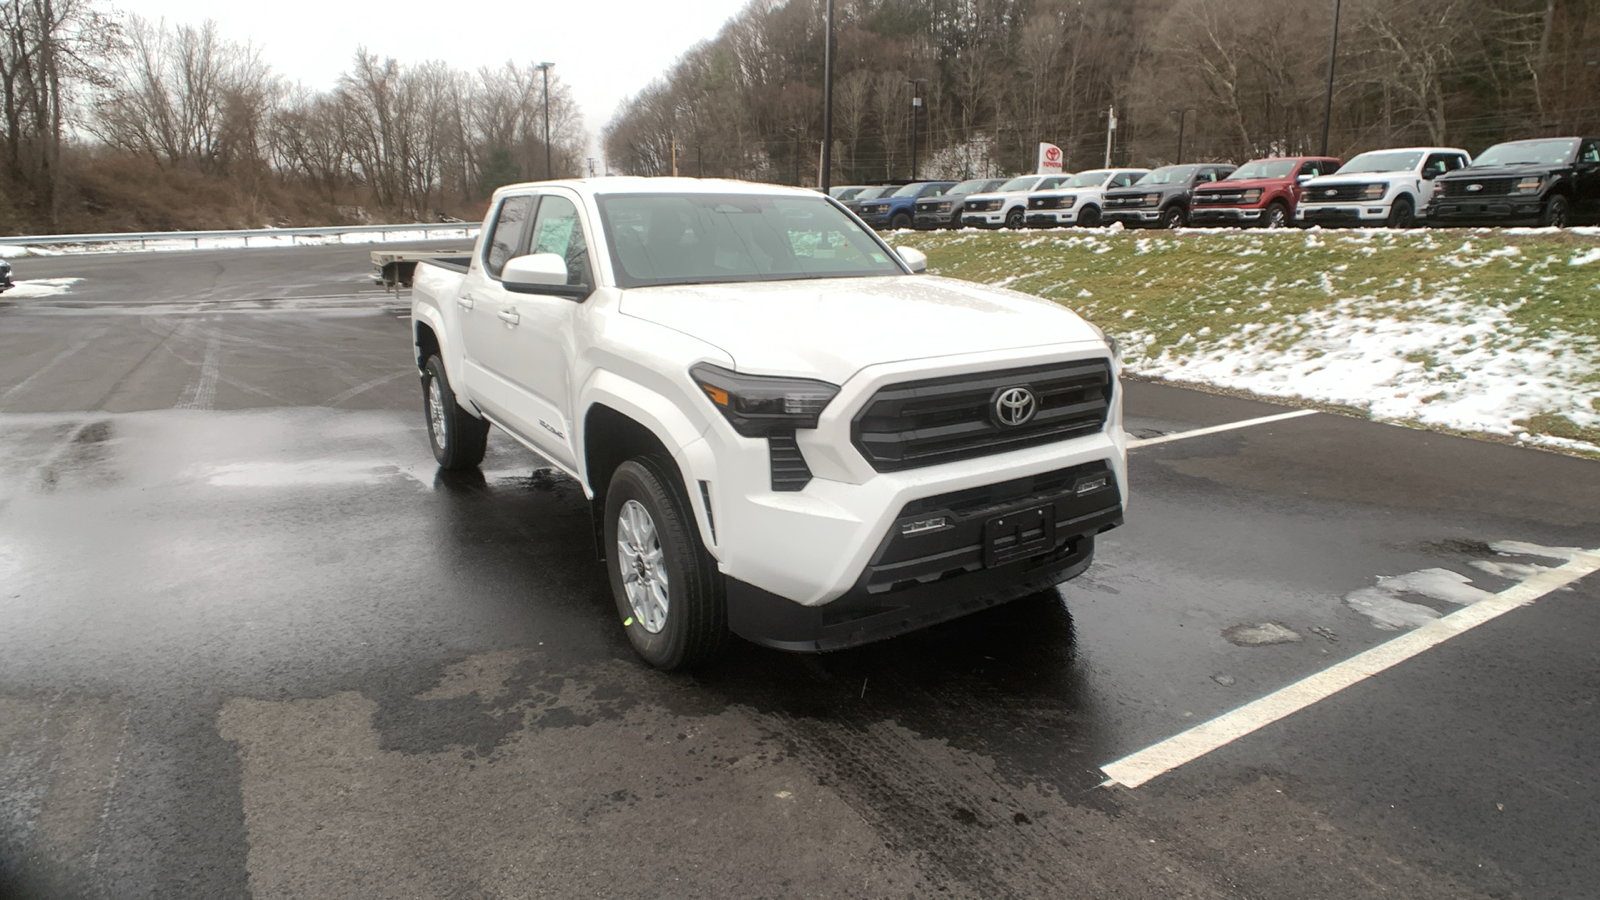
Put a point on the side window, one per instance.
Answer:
(935, 190)
(1126, 179)
(1437, 164)
(1312, 167)
(509, 226)
(559, 231)
(1455, 161)
(1589, 152)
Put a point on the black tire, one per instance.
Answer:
(695, 627)
(1175, 217)
(464, 436)
(1403, 214)
(1090, 217)
(1277, 216)
(1014, 218)
(900, 220)
(1557, 212)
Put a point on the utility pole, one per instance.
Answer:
(916, 104)
(1111, 128)
(545, 68)
(1333, 51)
(591, 167)
(1182, 114)
(827, 104)
(796, 131)
(674, 157)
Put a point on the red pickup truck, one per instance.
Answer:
(1261, 192)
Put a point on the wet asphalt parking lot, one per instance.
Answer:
(252, 643)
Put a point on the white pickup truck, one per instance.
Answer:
(785, 431)
(1378, 188)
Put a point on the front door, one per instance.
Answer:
(1587, 176)
(488, 339)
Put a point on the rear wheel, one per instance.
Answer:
(1089, 217)
(1402, 214)
(458, 437)
(1014, 218)
(900, 220)
(1174, 217)
(1556, 212)
(669, 594)
(1277, 216)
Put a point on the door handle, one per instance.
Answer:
(465, 300)
(509, 315)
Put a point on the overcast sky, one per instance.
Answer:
(604, 49)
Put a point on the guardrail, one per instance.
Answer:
(264, 236)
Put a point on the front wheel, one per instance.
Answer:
(1014, 218)
(900, 220)
(1089, 217)
(1277, 216)
(1402, 214)
(1174, 217)
(458, 437)
(1556, 212)
(669, 594)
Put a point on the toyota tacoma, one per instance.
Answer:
(785, 429)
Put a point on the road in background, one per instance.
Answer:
(255, 643)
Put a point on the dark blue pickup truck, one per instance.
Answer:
(896, 209)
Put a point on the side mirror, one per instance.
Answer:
(915, 259)
(540, 273)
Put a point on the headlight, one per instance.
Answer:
(1375, 191)
(1532, 184)
(1252, 196)
(942, 207)
(1152, 199)
(1067, 201)
(759, 405)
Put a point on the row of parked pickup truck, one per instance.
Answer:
(1548, 181)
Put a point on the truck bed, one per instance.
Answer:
(396, 268)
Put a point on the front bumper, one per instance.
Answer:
(1334, 215)
(983, 219)
(929, 221)
(1053, 218)
(1224, 215)
(878, 221)
(1498, 211)
(1131, 216)
(921, 579)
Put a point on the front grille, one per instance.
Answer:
(1044, 202)
(1218, 198)
(1124, 201)
(1490, 187)
(938, 420)
(981, 205)
(1334, 194)
(874, 210)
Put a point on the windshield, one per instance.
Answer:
(1024, 183)
(1089, 179)
(909, 190)
(1383, 161)
(1053, 181)
(844, 193)
(1265, 168)
(1554, 152)
(704, 238)
(1169, 175)
(967, 187)
(873, 193)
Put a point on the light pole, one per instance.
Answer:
(545, 68)
(827, 104)
(1182, 113)
(1333, 50)
(916, 104)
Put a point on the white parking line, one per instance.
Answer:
(1132, 771)
(1198, 432)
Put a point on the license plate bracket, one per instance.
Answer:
(1018, 535)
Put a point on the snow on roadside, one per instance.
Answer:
(36, 288)
(1437, 361)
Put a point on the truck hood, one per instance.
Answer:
(833, 328)
(1472, 174)
(1361, 178)
(1242, 185)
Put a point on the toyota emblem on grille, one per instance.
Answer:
(1015, 406)
(1474, 187)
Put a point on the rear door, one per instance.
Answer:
(486, 339)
